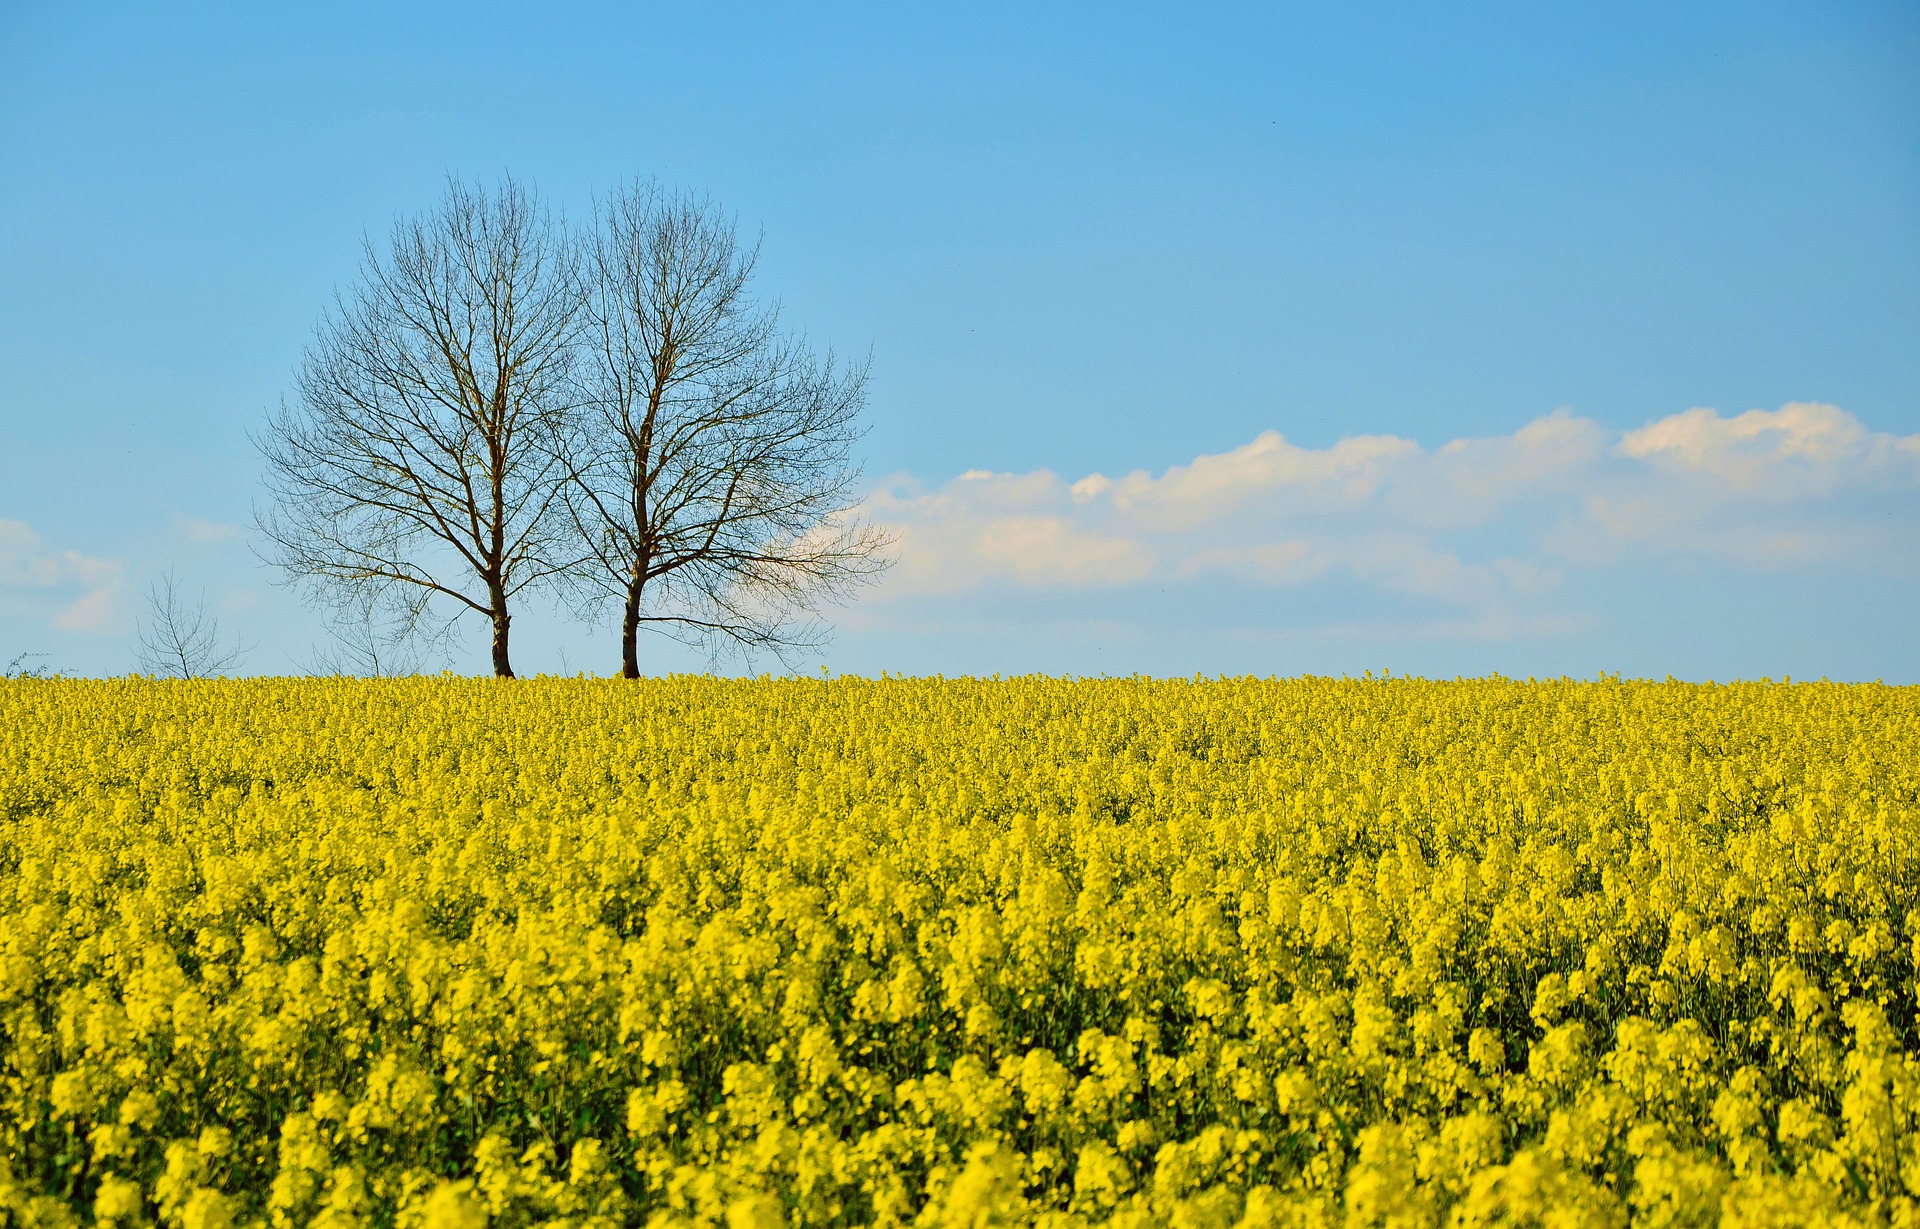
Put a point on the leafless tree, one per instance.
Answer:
(366, 643)
(710, 482)
(418, 466)
(181, 638)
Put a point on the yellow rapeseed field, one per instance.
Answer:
(451, 953)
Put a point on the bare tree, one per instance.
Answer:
(367, 643)
(710, 481)
(419, 463)
(181, 638)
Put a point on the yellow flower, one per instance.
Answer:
(697, 951)
(452, 1206)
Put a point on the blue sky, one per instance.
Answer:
(1538, 339)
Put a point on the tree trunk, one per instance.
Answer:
(630, 632)
(502, 668)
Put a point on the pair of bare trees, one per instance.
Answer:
(504, 404)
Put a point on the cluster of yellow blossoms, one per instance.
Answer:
(446, 953)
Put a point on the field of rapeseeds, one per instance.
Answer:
(697, 952)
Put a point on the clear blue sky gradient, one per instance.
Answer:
(1082, 239)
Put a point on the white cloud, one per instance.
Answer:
(1486, 528)
(1208, 488)
(1406, 563)
(1293, 562)
(1752, 532)
(1804, 485)
(98, 611)
(25, 564)
(1464, 482)
(984, 528)
(1803, 448)
(1469, 481)
(73, 591)
(202, 532)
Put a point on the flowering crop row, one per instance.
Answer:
(446, 953)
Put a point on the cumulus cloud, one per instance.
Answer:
(1469, 481)
(984, 528)
(1204, 490)
(1486, 528)
(1800, 449)
(1807, 484)
(72, 591)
